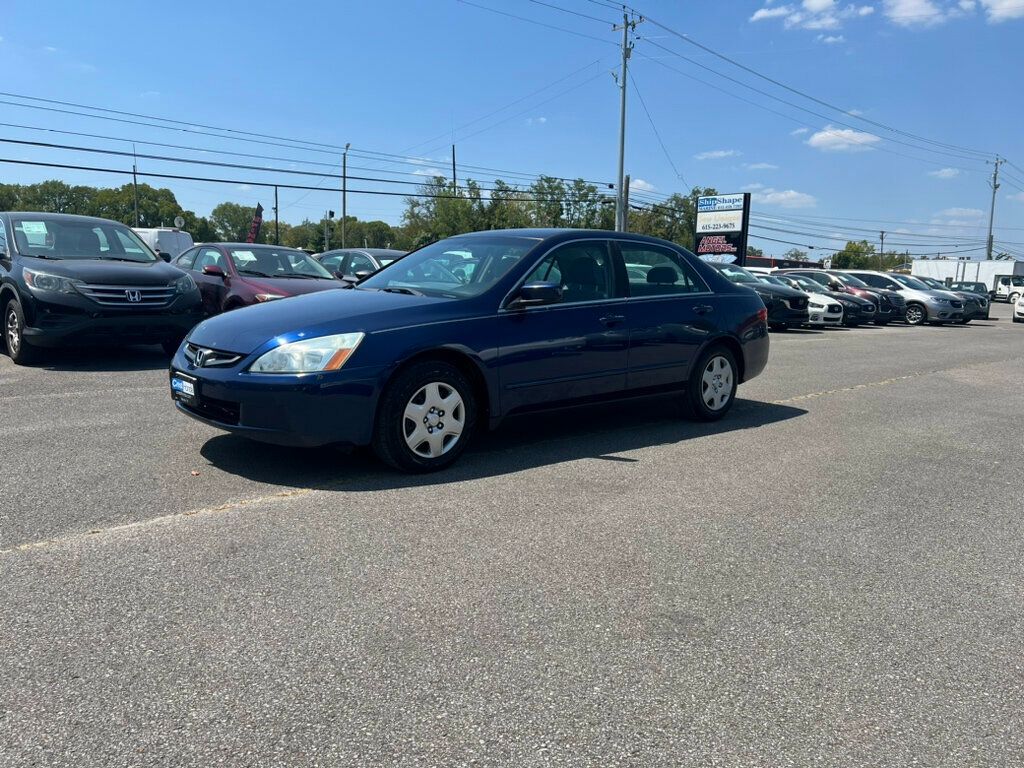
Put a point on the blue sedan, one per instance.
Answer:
(459, 334)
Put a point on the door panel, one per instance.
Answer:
(213, 289)
(574, 349)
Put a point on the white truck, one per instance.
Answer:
(1005, 279)
(169, 240)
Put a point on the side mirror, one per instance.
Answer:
(164, 255)
(214, 271)
(537, 294)
(363, 273)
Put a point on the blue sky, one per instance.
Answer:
(407, 77)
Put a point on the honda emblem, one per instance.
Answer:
(200, 357)
(133, 295)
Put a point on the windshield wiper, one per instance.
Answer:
(117, 258)
(44, 256)
(408, 291)
(254, 272)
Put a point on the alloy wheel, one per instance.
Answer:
(13, 332)
(716, 383)
(433, 420)
(915, 315)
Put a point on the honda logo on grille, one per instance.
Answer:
(133, 295)
(200, 357)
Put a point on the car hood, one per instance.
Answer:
(245, 330)
(775, 291)
(291, 286)
(100, 272)
(823, 298)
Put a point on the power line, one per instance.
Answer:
(657, 133)
(574, 13)
(538, 23)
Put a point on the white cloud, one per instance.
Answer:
(536, 121)
(799, 132)
(431, 172)
(771, 13)
(1003, 10)
(717, 154)
(788, 198)
(639, 185)
(50, 49)
(963, 213)
(842, 140)
(149, 94)
(945, 173)
(812, 14)
(751, 187)
(1019, 197)
(831, 39)
(761, 167)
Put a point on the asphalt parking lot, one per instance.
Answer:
(832, 576)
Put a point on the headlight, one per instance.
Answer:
(44, 281)
(267, 296)
(184, 284)
(326, 353)
(938, 300)
(813, 305)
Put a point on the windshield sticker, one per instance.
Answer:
(244, 256)
(33, 227)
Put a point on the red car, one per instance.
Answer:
(233, 275)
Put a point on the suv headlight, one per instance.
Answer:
(938, 300)
(326, 353)
(184, 284)
(44, 281)
(815, 305)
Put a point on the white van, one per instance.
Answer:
(166, 240)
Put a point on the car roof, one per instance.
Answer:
(256, 245)
(370, 251)
(68, 217)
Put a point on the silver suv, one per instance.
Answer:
(924, 304)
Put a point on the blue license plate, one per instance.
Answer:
(183, 388)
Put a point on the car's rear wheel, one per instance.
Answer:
(425, 417)
(19, 350)
(916, 314)
(712, 387)
(1013, 298)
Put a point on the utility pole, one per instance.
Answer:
(455, 181)
(344, 191)
(625, 205)
(881, 250)
(628, 25)
(134, 178)
(992, 211)
(277, 222)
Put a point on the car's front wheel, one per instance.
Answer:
(20, 351)
(916, 314)
(712, 387)
(1013, 298)
(425, 417)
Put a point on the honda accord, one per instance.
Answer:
(416, 358)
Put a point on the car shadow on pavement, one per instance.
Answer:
(104, 359)
(599, 432)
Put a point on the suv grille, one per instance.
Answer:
(956, 304)
(834, 308)
(796, 303)
(129, 295)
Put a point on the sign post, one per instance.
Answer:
(722, 225)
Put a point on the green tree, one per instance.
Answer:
(547, 202)
(856, 255)
(232, 221)
(795, 254)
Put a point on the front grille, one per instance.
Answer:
(128, 295)
(211, 358)
(223, 411)
(796, 303)
(956, 304)
(869, 309)
(834, 308)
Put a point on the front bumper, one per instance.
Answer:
(823, 317)
(54, 326)
(304, 411)
(780, 314)
(944, 314)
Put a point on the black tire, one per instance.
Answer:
(389, 436)
(18, 349)
(1012, 298)
(966, 320)
(697, 390)
(916, 314)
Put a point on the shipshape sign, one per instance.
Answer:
(721, 232)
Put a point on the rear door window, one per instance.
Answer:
(656, 271)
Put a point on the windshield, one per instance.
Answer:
(772, 280)
(910, 282)
(976, 287)
(849, 280)
(806, 284)
(736, 274)
(459, 267)
(276, 262)
(58, 238)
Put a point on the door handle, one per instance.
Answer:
(610, 320)
(703, 309)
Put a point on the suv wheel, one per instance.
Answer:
(20, 351)
(916, 314)
(1012, 298)
(425, 418)
(712, 385)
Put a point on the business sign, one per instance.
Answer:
(257, 222)
(721, 228)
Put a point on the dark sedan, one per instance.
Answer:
(358, 262)
(414, 359)
(787, 307)
(980, 288)
(233, 275)
(976, 305)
